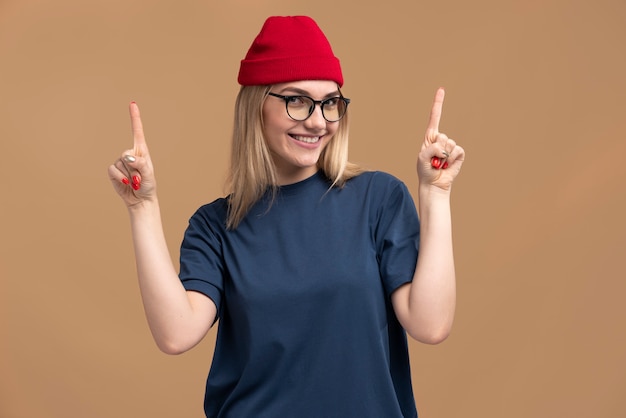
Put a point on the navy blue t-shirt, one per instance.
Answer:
(302, 286)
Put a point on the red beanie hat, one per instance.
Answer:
(289, 48)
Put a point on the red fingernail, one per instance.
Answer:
(445, 165)
(125, 181)
(435, 162)
(136, 179)
(136, 186)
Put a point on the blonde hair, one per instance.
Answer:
(252, 170)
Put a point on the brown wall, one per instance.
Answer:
(536, 95)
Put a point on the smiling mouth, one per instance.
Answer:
(306, 139)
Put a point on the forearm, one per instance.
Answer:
(175, 325)
(430, 307)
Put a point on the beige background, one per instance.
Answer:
(536, 95)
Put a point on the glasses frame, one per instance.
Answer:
(321, 104)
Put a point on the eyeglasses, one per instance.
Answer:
(300, 108)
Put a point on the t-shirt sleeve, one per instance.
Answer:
(397, 237)
(201, 261)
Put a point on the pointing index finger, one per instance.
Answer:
(435, 113)
(139, 141)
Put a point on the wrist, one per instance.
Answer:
(432, 192)
(143, 207)
(434, 207)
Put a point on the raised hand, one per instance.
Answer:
(440, 158)
(132, 175)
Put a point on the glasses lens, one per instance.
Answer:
(300, 107)
(334, 108)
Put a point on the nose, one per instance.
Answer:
(316, 120)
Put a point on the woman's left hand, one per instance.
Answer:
(440, 159)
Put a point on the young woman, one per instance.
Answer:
(310, 264)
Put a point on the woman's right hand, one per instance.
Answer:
(132, 175)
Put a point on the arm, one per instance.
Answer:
(178, 319)
(425, 307)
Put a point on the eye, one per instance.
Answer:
(332, 102)
(296, 101)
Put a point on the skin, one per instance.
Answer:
(296, 160)
(179, 319)
(425, 307)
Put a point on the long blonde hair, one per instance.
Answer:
(252, 170)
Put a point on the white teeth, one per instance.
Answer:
(307, 139)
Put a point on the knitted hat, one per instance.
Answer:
(289, 48)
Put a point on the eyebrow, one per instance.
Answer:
(306, 93)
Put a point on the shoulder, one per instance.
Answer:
(377, 182)
(375, 177)
(212, 215)
(386, 195)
